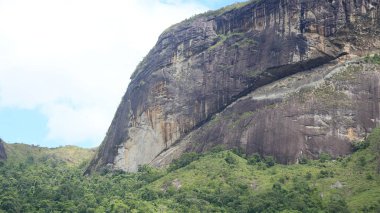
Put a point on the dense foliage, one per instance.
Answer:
(218, 181)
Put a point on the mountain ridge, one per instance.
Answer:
(17, 153)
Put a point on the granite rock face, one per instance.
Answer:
(206, 65)
(301, 116)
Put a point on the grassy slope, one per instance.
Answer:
(361, 183)
(72, 155)
(219, 181)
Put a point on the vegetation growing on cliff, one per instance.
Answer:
(222, 10)
(218, 181)
(374, 59)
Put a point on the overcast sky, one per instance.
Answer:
(65, 64)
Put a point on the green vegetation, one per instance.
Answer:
(209, 13)
(234, 6)
(222, 10)
(69, 155)
(374, 59)
(329, 96)
(349, 74)
(217, 181)
(240, 40)
(222, 39)
(332, 92)
(238, 118)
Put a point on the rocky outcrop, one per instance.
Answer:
(3, 154)
(301, 116)
(203, 66)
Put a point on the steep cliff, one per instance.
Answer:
(211, 67)
(301, 116)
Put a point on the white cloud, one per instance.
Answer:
(72, 59)
(83, 124)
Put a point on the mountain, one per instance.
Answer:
(282, 78)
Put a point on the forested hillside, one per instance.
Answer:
(26, 154)
(37, 179)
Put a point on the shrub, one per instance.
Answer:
(217, 149)
(371, 208)
(239, 152)
(149, 195)
(254, 159)
(374, 140)
(361, 161)
(269, 161)
(323, 157)
(369, 177)
(325, 174)
(356, 146)
(308, 176)
(276, 187)
(104, 171)
(10, 204)
(375, 59)
(281, 180)
(303, 160)
(230, 159)
(337, 204)
(261, 166)
(149, 174)
(183, 161)
(300, 196)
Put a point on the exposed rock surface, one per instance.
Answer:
(300, 116)
(3, 154)
(213, 63)
(337, 185)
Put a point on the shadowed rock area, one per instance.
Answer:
(209, 66)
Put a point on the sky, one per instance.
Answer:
(65, 64)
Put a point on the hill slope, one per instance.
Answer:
(217, 181)
(3, 155)
(70, 155)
